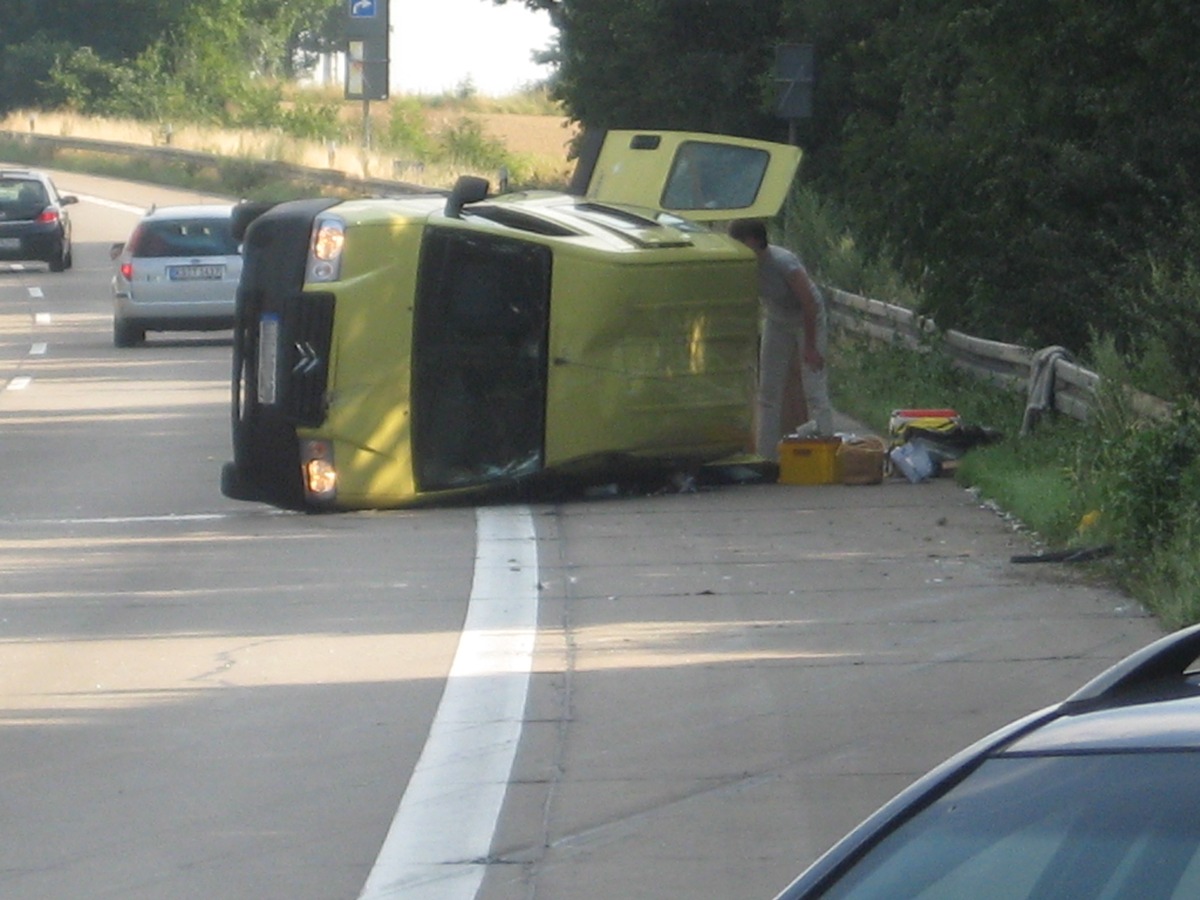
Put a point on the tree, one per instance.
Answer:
(685, 64)
(206, 49)
(1021, 157)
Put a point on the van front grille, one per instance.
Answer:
(304, 335)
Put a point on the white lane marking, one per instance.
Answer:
(438, 844)
(38, 349)
(36, 293)
(19, 383)
(136, 520)
(42, 318)
(152, 520)
(112, 204)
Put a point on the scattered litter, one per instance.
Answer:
(929, 438)
(914, 461)
(1079, 554)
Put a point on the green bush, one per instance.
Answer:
(25, 72)
(406, 131)
(824, 236)
(464, 142)
(1172, 317)
(1151, 480)
(312, 119)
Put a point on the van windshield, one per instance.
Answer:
(479, 359)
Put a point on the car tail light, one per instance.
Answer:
(127, 271)
(48, 216)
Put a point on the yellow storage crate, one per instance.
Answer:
(809, 460)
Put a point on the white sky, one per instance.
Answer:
(437, 44)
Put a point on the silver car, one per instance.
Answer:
(178, 271)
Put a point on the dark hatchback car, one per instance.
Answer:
(1097, 797)
(34, 224)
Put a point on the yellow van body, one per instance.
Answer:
(391, 352)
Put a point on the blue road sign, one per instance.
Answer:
(362, 9)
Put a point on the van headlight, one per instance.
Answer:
(319, 472)
(325, 252)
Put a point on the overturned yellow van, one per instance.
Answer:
(405, 350)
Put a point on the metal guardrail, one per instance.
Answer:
(1010, 365)
(325, 177)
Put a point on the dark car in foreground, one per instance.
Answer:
(1096, 797)
(34, 224)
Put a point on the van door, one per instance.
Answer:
(705, 177)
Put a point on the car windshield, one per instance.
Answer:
(1053, 828)
(184, 237)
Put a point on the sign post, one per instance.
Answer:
(367, 56)
(794, 77)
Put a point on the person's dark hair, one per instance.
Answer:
(749, 229)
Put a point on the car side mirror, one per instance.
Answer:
(115, 250)
(67, 199)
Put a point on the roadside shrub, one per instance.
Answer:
(1170, 576)
(312, 119)
(464, 141)
(241, 178)
(821, 232)
(84, 81)
(1173, 319)
(1151, 480)
(25, 73)
(406, 132)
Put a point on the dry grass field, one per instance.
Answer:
(541, 139)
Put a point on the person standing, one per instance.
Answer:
(793, 322)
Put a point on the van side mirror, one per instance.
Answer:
(468, 189)
(244, 213)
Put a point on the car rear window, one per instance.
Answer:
(21, 197)
(184, 237)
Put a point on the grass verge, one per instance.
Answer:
(1118, 482)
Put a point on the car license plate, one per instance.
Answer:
(268, 354)
(195, 273)
(10, 243)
